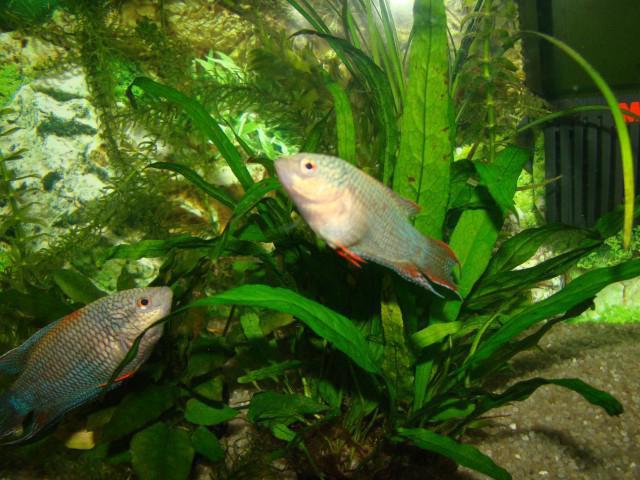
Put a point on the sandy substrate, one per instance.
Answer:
(555, 434)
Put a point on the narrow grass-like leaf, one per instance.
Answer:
(77, 287)
(326, 323)
(621, 129)
(423, 170)
(578, 291)
(272, 407)
(208, 188)
(157, 248)
(270, 372)
(435, 333)
(465, 455)
(345, 128)
(202, 121)
(522, 390)
(378, 86)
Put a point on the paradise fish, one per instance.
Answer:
(70, 361)
(363, 219)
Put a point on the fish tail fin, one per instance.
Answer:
(437, 263)
(12, 416)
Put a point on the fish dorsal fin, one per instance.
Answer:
(411, 209)
(12, 362)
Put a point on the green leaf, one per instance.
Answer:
(202, 120)
(435, 333)
(77, 287)
(378, 88)
(397, 359)
(162, 453)
(578, 291)
(326, 323)
(253, 195)
(506, 284)
(137, 410)
(212, 190)
(200, 413)
(626, 152)
(157, 248)
(206, 444)
(272, 408)
(272, 371)
(521, 247)
(498, 176)
(465, 455)
(423, 170)
(522, 390)
(344, 122)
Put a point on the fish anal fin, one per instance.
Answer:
(412, 273)
(350, 256)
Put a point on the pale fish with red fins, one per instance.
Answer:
(70, 361)
(363, 219)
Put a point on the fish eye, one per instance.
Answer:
(309, 166)
(143, 302)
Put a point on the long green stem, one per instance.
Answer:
(488, 78)
(621, 129)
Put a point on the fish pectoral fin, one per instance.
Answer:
(349, 256)
(121, 378)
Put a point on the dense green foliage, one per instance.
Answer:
(339, 372)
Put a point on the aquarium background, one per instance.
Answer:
(137, 140)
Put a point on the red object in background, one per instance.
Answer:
(633, 107)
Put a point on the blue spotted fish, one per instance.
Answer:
(70, 361)
(364, 220)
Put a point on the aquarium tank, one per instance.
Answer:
(333, 239)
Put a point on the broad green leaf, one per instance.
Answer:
(270, 372)
(435, 333)
(272, 408)
(423, 169)
(251, 326)
(200, 413)
(77, 287)
(202, 121)
(344, 122)
(498, 175)
(578, 291)
(522, 390)
(206, 444)
(326, 323)
(212, 190)
(465, 455)
(157, 248)
(253, 195)
(137, 410)
(474, 237)
(162, 452)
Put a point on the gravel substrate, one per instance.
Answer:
(555, 434)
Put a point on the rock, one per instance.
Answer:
(57, 126)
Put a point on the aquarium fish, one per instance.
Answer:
(363, 219)
(71, 360)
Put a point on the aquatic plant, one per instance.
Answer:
(348, 372)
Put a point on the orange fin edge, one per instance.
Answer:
(350, 256)
(119, 379)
